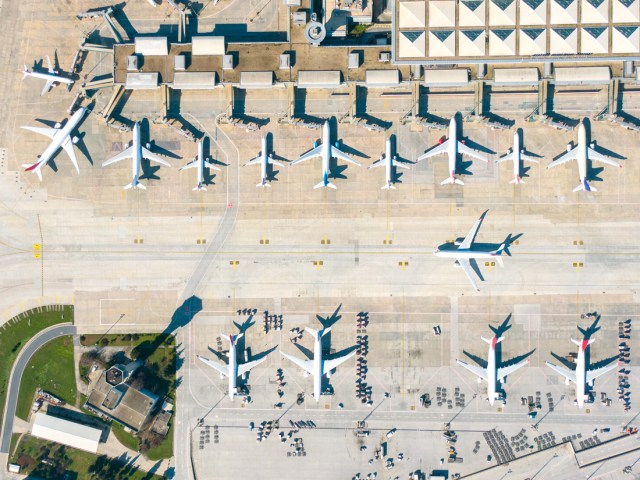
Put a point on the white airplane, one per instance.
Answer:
(517, 155)
(51, 77)
(200, 162)
(264, 159)
(60, 138)
(233, 369)
(582, 374)
(152, 3)
(389, 161)
(465, 252)
(492, 374)
(136, 152)
(452, 147)
(318, 366)
(583, 152)
(326, 151)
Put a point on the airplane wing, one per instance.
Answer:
(192, 164)
(253, 161)
(47, 87)
(332, 364)
(46, 131)
(377, 163)
(506, 371)
(343, 156)
(306, 365)
(466, 267)
(126, 153)
(211, 166)
(437, 150)
(222, 369)
(528, 158)
(506, 157)
(598, 157)
(153, 157)
(597, 372)
(68, 147)
(477, 154)
(471, 236)
(567, 157)
(245, 367)
(565, 372)
(316, 152)
(396, 164)
(477, 371)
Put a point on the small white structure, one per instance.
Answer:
(151, 46)
(142, 81)
(471, 13)
(66, 432)
(411, 14)
(502, 42)
(207, 46)
(516, 76)
(472, 43)
(442, 43)
(563, 41)
(442, 13)
(625, 11)
(582, 75)
(594, 40)
(412, 44)
(446, 77)
(533, 12)
(625, 39)
(256, 79)
(319, 78)
(564, 12)
(382, 78)
(502, 13)
(533, 41)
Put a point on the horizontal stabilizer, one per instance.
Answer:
(323, 185)
(263, 184)
(584, 186)
(450, 180)
(135, 184)
(517, 181)
(388, 186)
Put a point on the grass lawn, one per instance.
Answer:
(50, 368)
(118, 340)
(31, 451)
(125, 438)
(16, 333)
(165, 449)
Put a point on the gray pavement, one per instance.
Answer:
(16, 376)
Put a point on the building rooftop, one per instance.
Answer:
(66, 432)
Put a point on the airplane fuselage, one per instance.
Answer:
(200, 164)
(452, 148)
(233, 367)
(581, 373)
(388, 163)
(264, 161)
(465, 254)
(517, 151)
(492, 371)
(326, 151)
(49, 77)
(59, 138)
(318, 366)
(136, 155)
(582, 152)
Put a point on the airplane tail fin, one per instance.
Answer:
(135, 184)
(327, 185)
(584, 186)
(450, 180)
(229, 338)
(35, 167)
(579, 343)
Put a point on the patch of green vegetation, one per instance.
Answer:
(15, 334)
(47, 460)
(118, 340)
(56, 377)
(164, 450)
(125, 438)
(359, 28)
(14, 441)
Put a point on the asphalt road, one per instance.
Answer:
(16, 376)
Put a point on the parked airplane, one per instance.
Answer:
(200, 162)
(136, 152)
(51, 77)
(389, 161)
(264, 159)
(233, 369)
(326, 151)
(582, 374)
(517, 155)
(493, 373)
(60, 138)
(318, 366)
(465, 253)
(583, 152)
(452, 147)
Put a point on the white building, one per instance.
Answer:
(66, 432)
